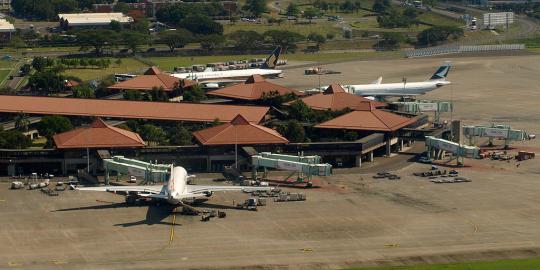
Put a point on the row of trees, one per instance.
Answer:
(347, 6)
(395, 18)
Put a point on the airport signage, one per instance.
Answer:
(496, 133)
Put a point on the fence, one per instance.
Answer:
(465, 48)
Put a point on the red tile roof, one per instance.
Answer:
(366, 117)
(71, 83)
(152, 78)
(239, 131)
(98, 135)
(252, 89)
(129, 109)
(336, 98)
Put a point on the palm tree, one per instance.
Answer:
(22, 122)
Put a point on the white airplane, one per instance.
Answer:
(176, 191)
(212, 78)
(404, 89)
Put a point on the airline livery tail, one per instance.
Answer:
(271, 61)
(441, 73)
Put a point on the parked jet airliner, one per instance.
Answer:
(176, 191)
(212, 77)
(404, 89)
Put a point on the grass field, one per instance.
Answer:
(6, 67)
(320, 27)
(525, 264)
(168, 63)
(128, 65)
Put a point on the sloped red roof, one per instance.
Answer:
(181, 111)
(252, 89)
(336, 98)
(152, 78)
(71, 83)
(98, 135)
(366, 117)
(239, 131)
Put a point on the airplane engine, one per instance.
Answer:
(208, 193)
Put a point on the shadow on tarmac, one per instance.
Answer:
(155, 214)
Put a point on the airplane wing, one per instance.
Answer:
(197, 189)
(378, 81)
(138, 189)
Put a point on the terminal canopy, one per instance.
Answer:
(335, 98)
(98, 135)
(239, 131)
(367, 117)
(254, 88)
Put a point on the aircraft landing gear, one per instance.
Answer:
(131, 199)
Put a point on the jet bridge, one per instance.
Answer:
(151, 173)
(437, 147)
(422, 106)
(502, 132)
(305, 166)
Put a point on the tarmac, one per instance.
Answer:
(350, 220)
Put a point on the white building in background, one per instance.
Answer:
(6, 30)
(91, 20)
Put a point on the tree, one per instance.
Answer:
(65, 6)
(175, 39)
(317, 38)
(83, 62)
(437, 34)
(180, 136)
(83, 91)
(380, 6)
(285, 39)
(201, 24)
(98, 39)
(292, 10)
(134, 39)
(294, 131)
(46, 82)
(51, 125)
(246, 40)
(299, 111)
(39, 63)
(116, 26)
(194, 94)
(141, 25)
(255, 7)
(211, 42)
(153, 134)
(311, 13)
(14, 139)
(391, 40)
(121, 7)
(22, 122)
(16, 42)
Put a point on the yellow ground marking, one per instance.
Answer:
(58, 261)
(14, 264)
(173, 224)
(391, 245)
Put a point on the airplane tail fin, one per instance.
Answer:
(442, 72)
(272, 59)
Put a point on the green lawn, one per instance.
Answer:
(525, 264)
(320, 27)
(128, 65)
(436, 19)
